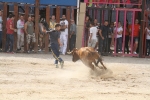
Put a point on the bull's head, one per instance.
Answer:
(75, 56)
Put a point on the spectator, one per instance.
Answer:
(92, 38)
(73, 32)
(10, 34)
(127, 37)
(42, 31)
(103, 33)
(87, 26)
(64, 35)
(119, 31)
(29, 30)
(20, 32)
(52, 22)
(1, 28)
(96, 24)
(110, 34)
(148, 41)
(135, 35)
(33, 19)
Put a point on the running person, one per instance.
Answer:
(55, 44)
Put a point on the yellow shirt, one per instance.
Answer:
(52, 25)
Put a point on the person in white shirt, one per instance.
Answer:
(118, 32)
(92, 38)
(20, 32)
(64, 34)
(1, 31)
(148, 40)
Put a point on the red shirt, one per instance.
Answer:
(136, 30)
(9, 22)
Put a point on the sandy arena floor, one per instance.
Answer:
(34, 77)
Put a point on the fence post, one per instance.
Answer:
(4, 25)
(47, 35)
(58, 14)
(15, 25)
(68, 13)
(37, 2)
(142, 30)
(26, 18)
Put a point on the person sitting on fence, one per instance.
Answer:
(10, 34)
(1, 28)
(119, 30)
(135, 35)
(20, 32)
(29, 30)
(42, 31)
(148, 40)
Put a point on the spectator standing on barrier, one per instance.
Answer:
(86, 32)
(42, 31)
(64, 34)
(1, 28)
(55, 44)
(29, 30)
(103, 33)
(10, 34)
(127, 37)
(135, 33)
(110, 36)
(20, 32)
(73, 32)
(148, 40)
(119, 31)
(92, 37)
(52, 22)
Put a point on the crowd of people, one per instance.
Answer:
(28, 28)
(104, 36)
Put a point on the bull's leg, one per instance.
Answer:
(100, 60)
(91, 66)
(103, 65)
(96, 64)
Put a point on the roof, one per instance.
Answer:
(47, 2)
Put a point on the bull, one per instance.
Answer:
(88, 56)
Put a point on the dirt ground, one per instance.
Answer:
(34, 77)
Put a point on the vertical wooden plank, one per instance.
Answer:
(4, 25)
(68, 13)
(37, 2)
(26, 18)
(58, 14)
(47, 35)
(72, 13)
(15, 25)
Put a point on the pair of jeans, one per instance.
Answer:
(9, 42)
(1, 35)
(102, 45)
(109, 44)
(72, 42)
(55, 52)
(127, 43)
(119, 45)
(148, 46)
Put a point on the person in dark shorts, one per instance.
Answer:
(55, 45)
